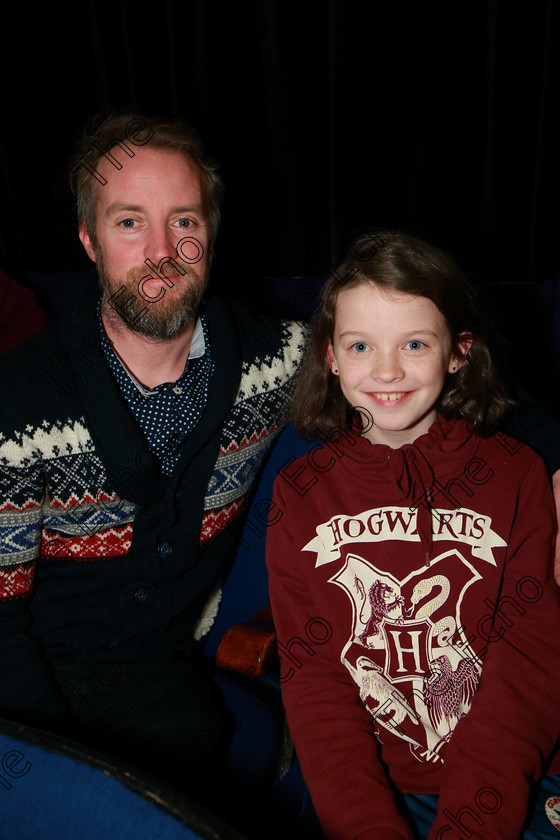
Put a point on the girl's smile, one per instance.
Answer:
(390, 397)
(392, 352)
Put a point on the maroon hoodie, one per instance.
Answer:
(419, 629)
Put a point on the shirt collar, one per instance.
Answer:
(198, 349)
(198, 343)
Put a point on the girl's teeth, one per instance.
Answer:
(390, 397)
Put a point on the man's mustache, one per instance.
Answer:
(135, 276)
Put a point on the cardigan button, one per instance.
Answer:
(140, 595)
(165, 550)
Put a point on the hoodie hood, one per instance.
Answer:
(417, 474)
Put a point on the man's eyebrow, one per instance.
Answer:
(119, 206)
(189, 208)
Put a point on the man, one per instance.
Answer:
(131, 432)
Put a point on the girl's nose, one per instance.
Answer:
(387, 368)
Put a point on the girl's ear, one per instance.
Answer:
(331, 359)
(464, 344)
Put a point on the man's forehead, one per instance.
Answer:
(129, 174)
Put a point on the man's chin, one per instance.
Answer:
(163, 319)
(168, 326)
(152, 320)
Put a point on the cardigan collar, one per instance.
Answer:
(133, 469)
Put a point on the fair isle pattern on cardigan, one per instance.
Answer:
(103, 557)
(75, 521)
(259, 399)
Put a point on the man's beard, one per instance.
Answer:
(162, 319)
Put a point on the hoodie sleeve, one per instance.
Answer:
(505, 741)
(332, 731)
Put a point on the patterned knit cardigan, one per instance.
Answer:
(102, 556)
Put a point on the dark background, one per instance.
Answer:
(438, 116)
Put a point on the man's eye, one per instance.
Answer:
(128, 223)
(414, 344)
(360, 346)
(184, 223)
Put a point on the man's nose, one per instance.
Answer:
(160, 244)
(160, 254)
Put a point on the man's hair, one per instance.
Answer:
(402, 263)
(128, 131)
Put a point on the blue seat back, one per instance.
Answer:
(54, 789)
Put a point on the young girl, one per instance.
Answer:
(410, 571)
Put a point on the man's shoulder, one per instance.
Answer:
(39, 371)
(21, 361)
(261, 338)
(33, 381)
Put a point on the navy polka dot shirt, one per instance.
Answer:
(168, 413)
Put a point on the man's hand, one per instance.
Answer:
(556, 488)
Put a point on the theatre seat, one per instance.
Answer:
(242, 644)
(55, 789)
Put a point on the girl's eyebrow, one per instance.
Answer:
(422, 332)
(352, 332)
(403, 335)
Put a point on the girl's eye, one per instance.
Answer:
(414, 344)
(360, 346)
